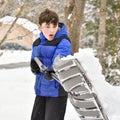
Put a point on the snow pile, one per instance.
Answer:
(109, 95)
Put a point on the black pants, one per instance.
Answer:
(49, 108)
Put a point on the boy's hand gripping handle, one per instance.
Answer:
(39, 63)
(49, 73)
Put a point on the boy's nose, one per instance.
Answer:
(51, 30)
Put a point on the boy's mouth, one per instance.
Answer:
(51, 35)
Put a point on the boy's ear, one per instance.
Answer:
(39, 26)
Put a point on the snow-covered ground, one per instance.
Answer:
(17, 87)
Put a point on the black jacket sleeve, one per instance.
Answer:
(34, 67)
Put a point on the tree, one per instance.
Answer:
(112, 44)
(102, 33)
(108, 39)
(73, 17)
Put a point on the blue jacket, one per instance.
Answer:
(47, 54)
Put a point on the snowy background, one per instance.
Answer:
(17, 86)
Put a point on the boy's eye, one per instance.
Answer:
(55, 26)
(48, 26)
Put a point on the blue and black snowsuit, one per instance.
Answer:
(46, 90)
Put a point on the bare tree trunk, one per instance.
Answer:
(17, 16)
(73, 17)
(102, 32)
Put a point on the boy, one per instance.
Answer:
(51, 99)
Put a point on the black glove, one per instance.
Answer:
(48, 74)
(34, 67)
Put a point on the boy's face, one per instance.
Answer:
(48, 30)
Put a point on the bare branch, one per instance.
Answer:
(8, 31)
(3, 7)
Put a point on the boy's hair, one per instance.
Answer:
(48, 16)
